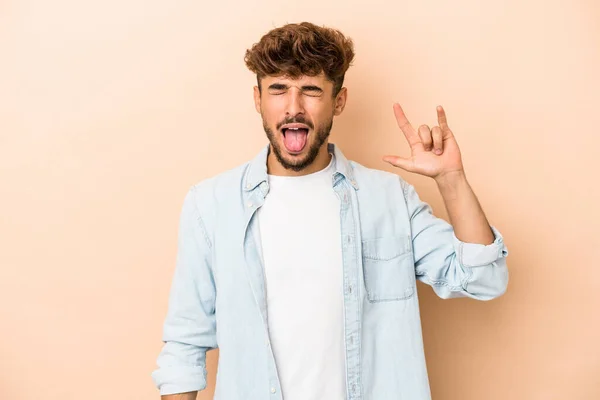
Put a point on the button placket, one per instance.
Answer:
(350, 236)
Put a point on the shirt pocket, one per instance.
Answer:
(388, 268)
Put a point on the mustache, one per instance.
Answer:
(298, 120)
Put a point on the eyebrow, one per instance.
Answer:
(281, 86)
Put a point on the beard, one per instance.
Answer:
(321, 134)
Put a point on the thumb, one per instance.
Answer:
(400, 162)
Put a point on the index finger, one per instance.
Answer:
(405, 126)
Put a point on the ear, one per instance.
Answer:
(257, 99)
(340, 101)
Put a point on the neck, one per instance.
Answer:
(321, 161)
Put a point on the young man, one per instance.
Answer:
(301, 266)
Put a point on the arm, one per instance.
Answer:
(466, 258)
(189, 328)
(180, 396)
(465, 212)
(452, 267)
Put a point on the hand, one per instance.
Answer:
(434, 152)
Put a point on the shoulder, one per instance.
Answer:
(376, 179)
(208, 192)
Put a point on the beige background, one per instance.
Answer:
(110, 110)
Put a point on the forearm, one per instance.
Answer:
(180, 396)
(466, 215)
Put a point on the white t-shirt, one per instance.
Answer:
(300, 235)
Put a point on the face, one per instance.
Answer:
(297, 117)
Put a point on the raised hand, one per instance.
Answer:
(434, 152)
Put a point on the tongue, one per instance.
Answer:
(295, 140)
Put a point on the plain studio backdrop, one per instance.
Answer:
(110, 110)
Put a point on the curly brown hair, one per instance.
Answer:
(303, 49)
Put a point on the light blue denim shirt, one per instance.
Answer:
(389, 239)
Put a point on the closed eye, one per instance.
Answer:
(311, 90)
(312, 93)
(277, 89)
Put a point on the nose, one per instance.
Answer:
(295, 103)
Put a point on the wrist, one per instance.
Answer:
(451, 179)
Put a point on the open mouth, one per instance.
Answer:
(295, 137)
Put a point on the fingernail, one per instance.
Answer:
(438, 151)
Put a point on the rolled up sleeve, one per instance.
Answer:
(486, 264)
(451, 267)
(189, 329)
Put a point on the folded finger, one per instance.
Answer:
(425, 135)
(438, 142)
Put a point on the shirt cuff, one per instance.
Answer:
(480, 255)
(173, 380)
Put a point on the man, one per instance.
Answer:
(301, 266)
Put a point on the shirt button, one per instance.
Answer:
(349, 240)
(351, 339)
(350, 289)
(273, 390)
(248, 186)
(354, 388)
(250, 204)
